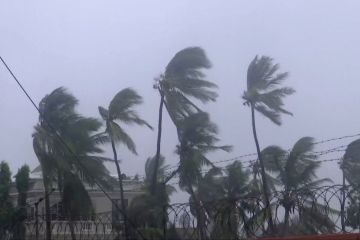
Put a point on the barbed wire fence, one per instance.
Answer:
(311, 211)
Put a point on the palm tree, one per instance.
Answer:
(197, 137)
(66, 147)
(121, 110)
(264, 95)
(147, 209)
(55, 109)
(182, 81)
(296, 175)
(351, 166)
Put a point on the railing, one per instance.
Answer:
(319, 211)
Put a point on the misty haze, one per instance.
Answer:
(179, 119)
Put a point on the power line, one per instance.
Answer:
(317, 153)
(68, 148)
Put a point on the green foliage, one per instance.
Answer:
(351, 163)
(61, 127)
(351, 167)
(295, 173)
(148, 209)
(197, 137)
(183, 81)
(22, 179)
(121, 110)
(263, 91)
(22, 182)
(6, 207)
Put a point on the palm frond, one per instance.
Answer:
(188, 61)
(120, 136)
(262, 88)
(104, 113)
(270, 114)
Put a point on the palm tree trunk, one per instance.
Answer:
(263, 175)
(158, 144)
(200, 216)
(47, 209)
(286, 220)
(72, 229)
(123, 206)
(342, 203)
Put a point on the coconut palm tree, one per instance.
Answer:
(296, 175)
(197, 137)
(67, 147)
(265, 95)
(147, 209)
(351, 166)
(182, 81)
(121, 110)
(55, 108)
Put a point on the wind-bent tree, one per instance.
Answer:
(6, 207)
(66, 146)
(197, 137)
(182, 81)
(55, 108)
(296, 175)
(22, 182)
(146, 210)
(351, 167)
(265, 95)
(121, 110)
(232, 212)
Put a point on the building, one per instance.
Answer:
(106, 221)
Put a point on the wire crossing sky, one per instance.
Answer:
(96, 48)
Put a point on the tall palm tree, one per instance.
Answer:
(296, 175)
(264, 95)
(220, 195)
(55, 108)
(66, 147)
(197, 137)
(182, 81)
(121, 109)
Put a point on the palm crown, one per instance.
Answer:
(184, 80)
(121, 109)
(263, 91)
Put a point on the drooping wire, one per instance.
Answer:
(62, 141)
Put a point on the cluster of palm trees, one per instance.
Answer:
(225, 202)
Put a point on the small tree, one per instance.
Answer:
(6, 208)
(22, 186)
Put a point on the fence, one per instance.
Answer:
(311, 211)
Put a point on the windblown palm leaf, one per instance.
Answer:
(264, 95)
(351, 163)
(197, 137)
(296, 173)
(148, 209)
(263, 91)
(121, 111)
(182, 82)
(64, 143)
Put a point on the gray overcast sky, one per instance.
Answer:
(96, 48)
